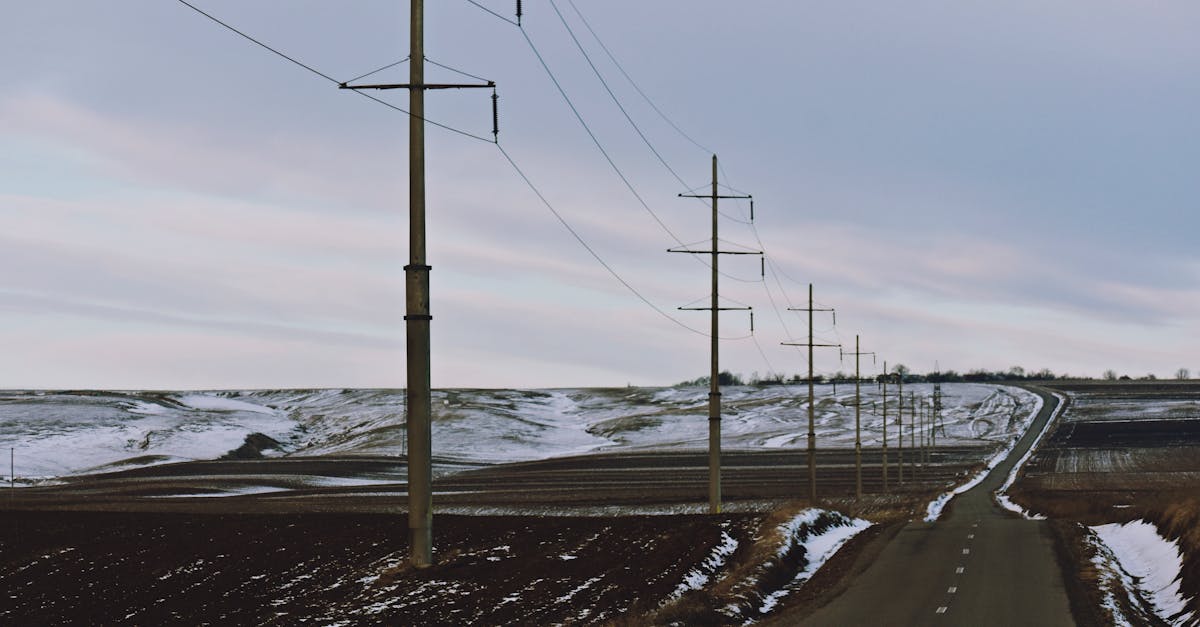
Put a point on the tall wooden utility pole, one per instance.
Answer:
(418, 393)
(858, 419)
(812, 431)
(714, 385)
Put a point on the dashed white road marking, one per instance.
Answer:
(942, 609)
(966, 551)
(951, 590)
(959, 570)
(970, 536)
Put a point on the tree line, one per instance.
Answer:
(902, 372)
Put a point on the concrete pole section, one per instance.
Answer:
(899, 427)
(417, 318)
(857, 425)
(885, 459)
(812, 431)
(714, 387)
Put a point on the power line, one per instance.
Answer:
(537, 192)
(607, 157)
(328, 77)
(493, 12)
(456, 70)
(390, 65)
(656, 153)
(249, 38)
(620, 106)
(632, 82)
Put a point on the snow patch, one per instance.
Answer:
(205, 402)
(817, 547)
(698, 577)
(1153, 565)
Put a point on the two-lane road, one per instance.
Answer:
(978, 565)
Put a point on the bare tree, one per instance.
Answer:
(1110, 375)
(1183, 374)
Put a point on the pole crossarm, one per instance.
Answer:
(717, 309)
(487, 85)
(710, 196)
(713, 252)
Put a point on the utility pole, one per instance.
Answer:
(417, 318)
(714, 386)
(812, 431)
(885, 464)
(924, 437)
(899, 425)
(912, 432)
(858, 419)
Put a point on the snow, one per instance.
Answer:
(934, 510)
(818, 548)
(205, 402)
(1154, 562)
(698, 577)
(59, 434)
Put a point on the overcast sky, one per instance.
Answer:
(979, 184)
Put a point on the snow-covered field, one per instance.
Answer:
(57, 433)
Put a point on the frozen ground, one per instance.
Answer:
(1089, 407)
(64, 433)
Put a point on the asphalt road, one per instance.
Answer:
(978, 565)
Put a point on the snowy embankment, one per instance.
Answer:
(817, 547)
(936, 506)
(1132, 557)
(777, 564)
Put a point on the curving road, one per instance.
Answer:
(978, 565)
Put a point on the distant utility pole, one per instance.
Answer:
(924, 435)
(884, 392)
(937, 408)
(714, 386)
(812, 431)
(858, 419)
(912, 432)
(417, 318)
(899, 425)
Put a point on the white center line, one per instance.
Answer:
(970, 536)
(959, 570)
(942, 609)
(951, 590)
(966, 551)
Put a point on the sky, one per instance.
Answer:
(970, 184)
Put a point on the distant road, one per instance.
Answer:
(978, 565)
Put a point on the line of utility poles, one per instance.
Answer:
(418, 411)
(858, 491)
(812, 433)
(714, 385)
